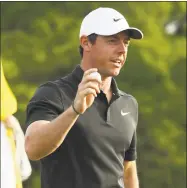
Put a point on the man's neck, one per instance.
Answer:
(106, 84)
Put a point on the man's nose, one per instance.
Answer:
(122, 48)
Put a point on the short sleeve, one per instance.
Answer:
(131, 153)
(46, 104)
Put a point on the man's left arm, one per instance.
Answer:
(130, 169)
(130, 174)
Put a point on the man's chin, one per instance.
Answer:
(115, 73)
(110, 73)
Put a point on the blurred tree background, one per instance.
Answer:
(39, 42)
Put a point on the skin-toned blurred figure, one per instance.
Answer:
(15, 166)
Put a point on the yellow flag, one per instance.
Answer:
(8, 100)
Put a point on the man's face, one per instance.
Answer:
(109, 53)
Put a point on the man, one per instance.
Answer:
(82, 127)
(15, 166)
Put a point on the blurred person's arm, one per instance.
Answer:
(9, 174)
(20, 154)
(130, 175)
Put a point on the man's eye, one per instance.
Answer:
(112, 40)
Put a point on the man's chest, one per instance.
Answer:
(105, 125)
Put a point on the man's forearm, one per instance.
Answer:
(42, 137)
(131, 181)
(130, 175)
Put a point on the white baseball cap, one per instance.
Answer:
(107, 21)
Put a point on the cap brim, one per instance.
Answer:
(135, 33)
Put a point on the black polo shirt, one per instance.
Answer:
(93, 152)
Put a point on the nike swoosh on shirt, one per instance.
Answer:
(124, 113)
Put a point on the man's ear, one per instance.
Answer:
(84, 42)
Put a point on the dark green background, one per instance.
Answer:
(39, 42)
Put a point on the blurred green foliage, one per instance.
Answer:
(39, 42)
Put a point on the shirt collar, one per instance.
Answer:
(115, 88)
(78, 74)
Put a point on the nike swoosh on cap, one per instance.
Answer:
(116, 20)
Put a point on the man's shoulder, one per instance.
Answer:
(53, 87)
(48, 89)
(49, 85)
(55, 84)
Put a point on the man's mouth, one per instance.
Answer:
(117, 62)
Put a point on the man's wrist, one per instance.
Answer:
(74, 109)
